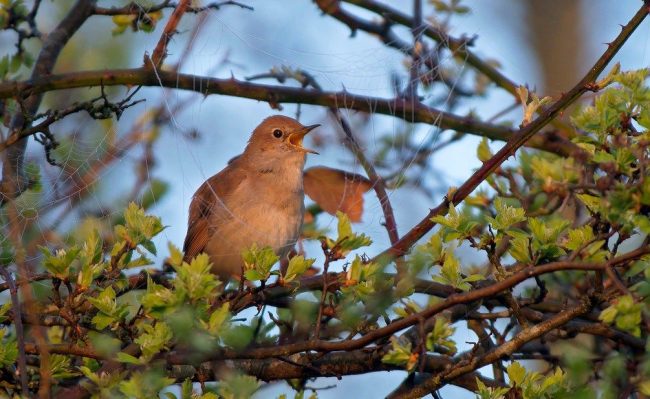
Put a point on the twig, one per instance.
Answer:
(137, 9)
(519, 139)
(378, 183)
(416, 30)
(12, 172)
(20, 334)
(449, 302)
(459, 47)
(398, 107)
(160, 52)
(438, 380)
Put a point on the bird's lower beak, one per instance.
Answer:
(295, 138)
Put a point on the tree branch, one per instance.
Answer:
(397, 325)
(472, 363)
(20, 334)
(138, 9)
(518, 139)
(12, 172)
(459, 47)
(160, 52)
(398, 107)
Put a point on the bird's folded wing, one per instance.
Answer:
(209, 199)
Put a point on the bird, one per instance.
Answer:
(257, 199)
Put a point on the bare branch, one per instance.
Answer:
(398, 107)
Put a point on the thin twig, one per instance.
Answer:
(396, 107)
(160, 52)
(398, 325)
(20, 334)
(525, 133)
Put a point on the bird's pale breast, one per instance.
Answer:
(264, 211)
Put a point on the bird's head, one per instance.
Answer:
(279, 137)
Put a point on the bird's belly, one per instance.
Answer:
(258, 224)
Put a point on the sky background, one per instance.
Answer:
(362, 65)
(295, 33)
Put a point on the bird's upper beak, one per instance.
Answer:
(295, 138)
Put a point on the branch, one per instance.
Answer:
(458, 47)
(160, 52)
(338, 364)
(518, 139)
(378, 183)
(398, 107)
(473, 363)
(395, 326)
(138, 9)
(20, 334)
(12, 171)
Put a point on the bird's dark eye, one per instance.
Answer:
(277, 133)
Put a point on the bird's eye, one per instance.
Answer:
(277, 133)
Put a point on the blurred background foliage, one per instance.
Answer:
(158, 150)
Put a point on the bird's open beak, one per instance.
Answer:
(295, 138)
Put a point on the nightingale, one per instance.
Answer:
(257, 198)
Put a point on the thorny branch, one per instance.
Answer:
(139, 10)
(397, 107)
(517, 140)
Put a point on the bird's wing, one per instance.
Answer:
(215, 190)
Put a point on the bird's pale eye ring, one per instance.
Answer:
(277, 133)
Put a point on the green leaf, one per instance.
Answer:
(218, 319)
(506, 215)
(625, 313)
(139, 228)
(516, 373)
(297, 266)
(347, 240)
(238, 387)
(92, 251)
(590, 201)
(547, 231)
(154, 339)
(154, 193)
(237, 336)
(579, 237)
(60, 367)
(88, 273)
(8, 349)
(455, 224)
(3, 311)
(159, 300)
(109, 311)
(483, 151)
(59, 262)
(484, 392)
(400, 354)
(175, 256)
(258, 262)
(145, 384)
(439, 336)
(124, 357)
(451, 220)
(196, 280)
(450, 274)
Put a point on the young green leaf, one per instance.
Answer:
(297, 266)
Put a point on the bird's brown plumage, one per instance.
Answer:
(256, 199)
